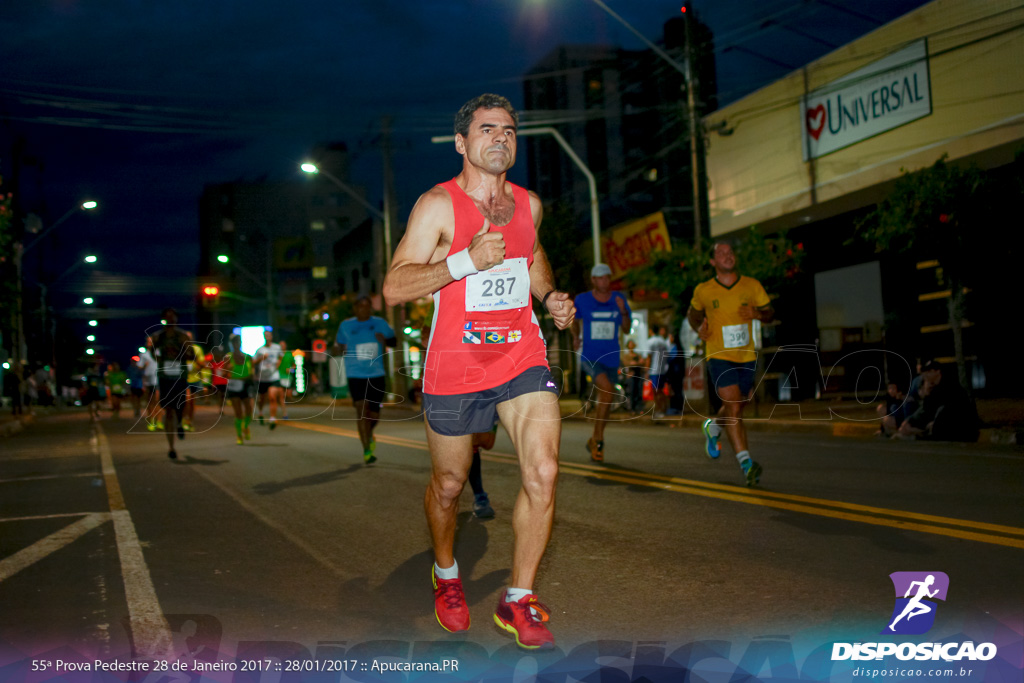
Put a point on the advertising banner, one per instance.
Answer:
(629, 245)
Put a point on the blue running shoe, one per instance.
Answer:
(711, 447)
(751, 470)
(482, 506)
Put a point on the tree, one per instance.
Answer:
(939, 211)
(775, 261)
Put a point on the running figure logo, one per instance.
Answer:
(914, 612)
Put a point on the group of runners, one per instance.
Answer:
(176, 374)
(721, 311)
(471, 244)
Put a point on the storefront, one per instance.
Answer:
(814, 153)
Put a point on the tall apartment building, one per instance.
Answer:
(624, 113)
(291, 245)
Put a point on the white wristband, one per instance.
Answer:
(460, 264)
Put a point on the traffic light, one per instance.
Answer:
(211, 295)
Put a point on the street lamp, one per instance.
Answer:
(20, 249)
(385, 218)
(84, 206)
(266, 285)
(88, 301)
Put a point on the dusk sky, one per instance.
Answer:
(140, 104)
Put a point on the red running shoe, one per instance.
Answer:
(518, 618)
(450, 603)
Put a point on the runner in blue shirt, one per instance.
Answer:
(600, 315)
(362, 340)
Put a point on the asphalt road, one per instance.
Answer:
(290, 546)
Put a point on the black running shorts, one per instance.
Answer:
(369, 389)
(477, 411)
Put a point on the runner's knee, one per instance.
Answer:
(539, 478)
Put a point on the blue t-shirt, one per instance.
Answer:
(134, 376)
(364, 355)
(601, 323)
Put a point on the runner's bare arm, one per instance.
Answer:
(763, 313)
(417, 269)
(695, 316)
(542, 280)
(420, 267)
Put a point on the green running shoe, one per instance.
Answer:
(752, 471)
(711, 447)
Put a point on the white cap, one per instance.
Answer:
(600, 269)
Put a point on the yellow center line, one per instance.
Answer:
(902, 519)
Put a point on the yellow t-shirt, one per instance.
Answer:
(732, 337)
(195, 366)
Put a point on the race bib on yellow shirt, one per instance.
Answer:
(735, 336)
(504, 287)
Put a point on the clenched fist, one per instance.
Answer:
(487, 248)
(562, 309)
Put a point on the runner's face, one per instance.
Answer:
(362, 309)
(725, 258)
(602, 283)
(491, 143)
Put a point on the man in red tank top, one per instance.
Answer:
(472, 244)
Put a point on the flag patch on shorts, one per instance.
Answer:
(471, 337)
(514, 336)
(494, 338)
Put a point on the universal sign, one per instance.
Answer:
(879, 97)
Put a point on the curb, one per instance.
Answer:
(830, 427)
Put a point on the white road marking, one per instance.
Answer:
(26, 557)
(48, 476)
(151, 633)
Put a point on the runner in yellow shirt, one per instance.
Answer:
(722, 311)
(196, 385)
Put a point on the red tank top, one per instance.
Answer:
(484, 332)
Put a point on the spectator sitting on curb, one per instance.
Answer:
(892, 410)
(946, 412)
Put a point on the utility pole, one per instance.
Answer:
(694, 125)
(392, 314)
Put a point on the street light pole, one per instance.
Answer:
(385, 218)
(20, 249)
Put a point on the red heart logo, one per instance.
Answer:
(816, 114)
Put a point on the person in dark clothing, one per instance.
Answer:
(12, 388)
(892, 411)
(946, 412)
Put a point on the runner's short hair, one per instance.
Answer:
(486, 101)
(714, 246)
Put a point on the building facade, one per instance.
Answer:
(290, 246)
(815, 152)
